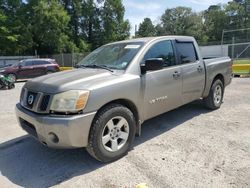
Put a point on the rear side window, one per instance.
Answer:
(40, 62)
(28, 63)
(164, 50)
(186, 52)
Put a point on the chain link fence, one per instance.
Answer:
(6, 61)
(239, 51)
(234, 51)
(64, 60)
(67, 60)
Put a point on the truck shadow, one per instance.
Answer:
(27, 163)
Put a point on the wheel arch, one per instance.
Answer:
(130, 105)
(14, 73)
(219, 77)
(210, 81)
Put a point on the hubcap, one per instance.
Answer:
(115, 134)
(217, 94)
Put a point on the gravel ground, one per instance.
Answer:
(187, 147)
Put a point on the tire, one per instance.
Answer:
(214, 100)
(106, 125)
(12, 77)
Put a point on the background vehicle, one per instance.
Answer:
(30, 68)
(102, 104)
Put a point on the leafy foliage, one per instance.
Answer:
(56, 26)
(114, 27)
(65, 26)
(181, 21)
(146, 28)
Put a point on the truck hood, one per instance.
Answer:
(78, 79)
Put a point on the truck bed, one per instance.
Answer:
(214, 67)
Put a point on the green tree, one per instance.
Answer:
(114, 26)
(74, 30)
(49, 28)
(5, 38)
(236, 14)
(91, 24)
(215, 20)
(181, 21)
(16, 27)
(146, 28)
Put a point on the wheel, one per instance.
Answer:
(112, 133)
(12, 77)
(214, 99)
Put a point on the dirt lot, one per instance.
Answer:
(187, 147)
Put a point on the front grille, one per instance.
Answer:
(35, 101)
(44, 103)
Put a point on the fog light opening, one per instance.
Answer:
(53, 137)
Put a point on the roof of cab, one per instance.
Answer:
(149, 39)
(39, 59)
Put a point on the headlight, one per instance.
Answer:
(69, 101)
(2, 70)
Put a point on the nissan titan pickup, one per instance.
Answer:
(102, 104)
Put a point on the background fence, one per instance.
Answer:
(67, 60)
(239, 51)
(234, 51)
(9, 60)
(64, 60)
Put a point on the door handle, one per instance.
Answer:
(199, 69)
(176, 75)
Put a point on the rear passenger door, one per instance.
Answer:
(193, 71)
(39, 67)
(162, 88)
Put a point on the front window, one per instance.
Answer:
(164, 50)
(113, 56)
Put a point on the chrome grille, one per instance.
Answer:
(44, 103)
(35, 101)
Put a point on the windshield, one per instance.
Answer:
(15, 64)
(113, 56)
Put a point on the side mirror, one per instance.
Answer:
(20, 66)
(152, 64)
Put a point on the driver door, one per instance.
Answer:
(25, 70)
(162, 88)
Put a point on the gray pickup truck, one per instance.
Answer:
(102, 104)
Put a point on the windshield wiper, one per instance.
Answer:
(96, 66)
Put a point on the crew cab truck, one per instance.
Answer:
(102, 104)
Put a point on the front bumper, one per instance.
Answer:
(69, 131)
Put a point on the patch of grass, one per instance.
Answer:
(242, 61)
